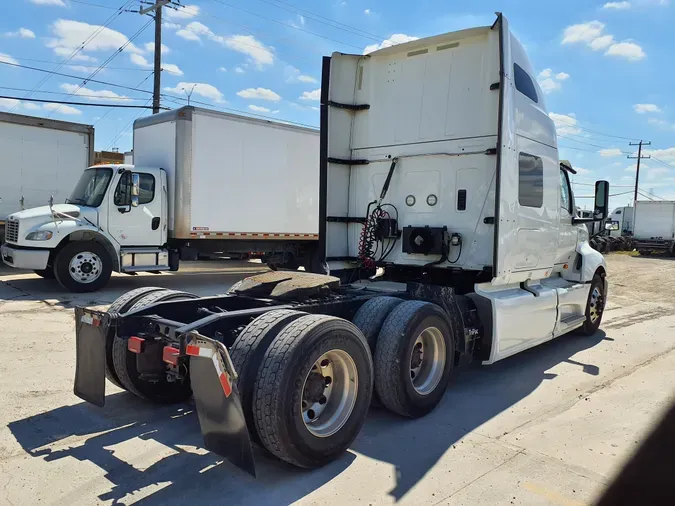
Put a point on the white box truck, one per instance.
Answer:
(620, 222)
(43, 159)
(203, 182)
(447, 232)
(654, 228)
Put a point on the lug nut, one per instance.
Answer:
(322, 401)
(328, 380)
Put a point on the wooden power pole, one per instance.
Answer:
(157, 70)
(639, 157)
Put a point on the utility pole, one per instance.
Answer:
(639, 157)
(156, 88)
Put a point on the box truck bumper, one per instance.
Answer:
(22, 258)
(212, 378)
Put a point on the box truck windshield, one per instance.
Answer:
(91, 187)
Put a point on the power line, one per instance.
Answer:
(110, 110)
(72, 76)
(613, 185)
(593, 196)
(587, 143)
(66, 102)
(575, 124)
(84, 65)
(125, 127)
(120, 98)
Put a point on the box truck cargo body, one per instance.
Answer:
(654, 228)
(42, 158)
(203, 182)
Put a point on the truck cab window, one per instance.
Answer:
(91, 187)
(565, 192)
(524, 83)
(530, 180)
(146, 192)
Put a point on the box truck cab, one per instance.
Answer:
(203, 182)
(447, 234)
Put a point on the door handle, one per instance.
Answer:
(155, 223)
(124, 209)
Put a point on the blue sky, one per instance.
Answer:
(606, 67)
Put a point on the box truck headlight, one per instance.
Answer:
(39, 235)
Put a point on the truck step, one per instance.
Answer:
(572, 320)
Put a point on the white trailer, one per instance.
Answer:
(654, 228)
(43, 159)
(203, 182)
(447, 232)
(620, 222)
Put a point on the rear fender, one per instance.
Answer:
(591, 261)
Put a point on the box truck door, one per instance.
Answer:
(136, 220)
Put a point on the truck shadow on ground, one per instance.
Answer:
(182, 472)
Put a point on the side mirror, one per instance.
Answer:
(134, 201)
(136, 186)
(601, 200)
(612, 225)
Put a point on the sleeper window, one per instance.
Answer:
(524, 83)
(530, 180)
(565, 192)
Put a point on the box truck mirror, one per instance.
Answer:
(135, 186)
(601, 199)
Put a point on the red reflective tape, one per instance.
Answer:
(95, 322)
(193, 350)
(170, 355)
(136, 344)
(225, 383)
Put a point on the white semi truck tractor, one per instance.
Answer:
(447, 234)
(203, 182)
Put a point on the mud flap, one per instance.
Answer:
(90, 331)
(221, 416)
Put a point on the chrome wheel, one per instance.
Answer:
(85, 267)
(329, 393)
(596, 304)
(427, 361)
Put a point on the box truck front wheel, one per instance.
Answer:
(158, 388)
(83, 266)
(414, 356)
(313, 390)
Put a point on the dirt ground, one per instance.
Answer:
(550, 426)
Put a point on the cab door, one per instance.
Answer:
(135, 209)
(567, 233)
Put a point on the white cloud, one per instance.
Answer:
(627, 50)
(592, 35)
(170, 26)
(616, 5)
(222, 69)
(257, 108)
(239, 70)
(203, 89)
(643, 108)
(150, 46)
(69, 35)
(29, 106)
(8, 59)
(182, 12)
(294, 75)
(247, 44)
(68, 53)
(610, 152)
(583, 32)
(656, 172)
(396, 38)
(565, 124)
(548, 85)
(62, 109)
(9, 103)
(550, 82)
(367, 12)
(667, 155)
(188, 34)
(82, 68)
(311, 95)
(24, 33)
(602, 42)
(172, 68)
(94, 95)
(48, 2)
(139, 60)
(259, 94)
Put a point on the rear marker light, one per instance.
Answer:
(193, 350)
(170, 355)
(136, 344)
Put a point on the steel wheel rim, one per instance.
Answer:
(85, 267)
(595, 305)
(427, 360)
(326, 407)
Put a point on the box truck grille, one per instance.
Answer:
(12, 231)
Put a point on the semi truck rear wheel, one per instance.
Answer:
(413, 358)
(83, 266)
(370, 317)
(247, 352)
(124, 361)
(313, 390)
(122, 305)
